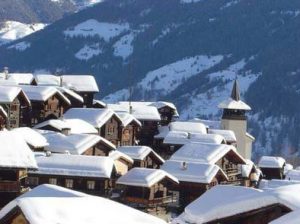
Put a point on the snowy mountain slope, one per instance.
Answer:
(158, 47)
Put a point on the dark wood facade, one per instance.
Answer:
(273, 173)
(52, 108)
(88, 98)
(129, 134)
(147, 132)
(12, 184)
(167, 115)
(111, 130)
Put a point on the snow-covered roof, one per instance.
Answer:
(14, 151)
(80, 83)
(43, 93)
(70, 93)
(224, 201)
(205, 153)
(141, 112)
(53, 204)
(75, 144)
(144, 177)
(163, 131)
(181, 138)
(290, 218)
(208, 123)
(9, 93)
(116, 155)
(76, 126)
(191, 127)
(275, 183)
(234, 105)
(193, 172)
(127, 119)
(74, 165)
(139, 152)
(47, 80)
(293, 175)
(21, 78)
(227, 134)
(99, 102)
(161, 104)
(247, 168)
(94, 116)
(271, 162)
(32, 137)
(4, 113)
(288, 167)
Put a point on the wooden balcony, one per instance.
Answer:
(10, 186)
(148, 203)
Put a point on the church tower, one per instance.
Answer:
(234, 118)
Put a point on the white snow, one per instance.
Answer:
(191, 127)
(227, 134)
(116, 155)
(21, 78)
(92, 27)
(229, 4)
(123, 47)
(144, 177)
(204, 153)
(193, 172)
(127, 119)
(14, 151)
(50, 204)
(190, 1)
(80, 83)
(21, 46)
(139, 152)
(9, 93)
(12, 30)
(271, 162)
(290, 218)
(88, 52)
(74, 165)
(293, 175)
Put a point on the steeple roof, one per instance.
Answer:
(235, 93)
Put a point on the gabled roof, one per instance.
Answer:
(206, 153)
(53, 204)
(139, 152)
(75, 144)
(127, 119)
(9, 93)
(43, 93)
(193, 172)
(70, 94)
(116, 155)
(74, 165)
(76, 126)
(99, 102)
(32, 137)
(181, 138)
(47, 80)
(271, 162)
(80, 83)
(21, 78)
(14, 151)
(144, 177)
(94, 116)
(227, 134)
(186, 126)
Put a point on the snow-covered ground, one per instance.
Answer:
(88, 51)
(123, 47)
(166, 79)
(12, 30)
(21, 46)
(92, 27)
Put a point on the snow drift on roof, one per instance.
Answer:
(50, 204)
(144, 177)
(115, 155)
(227, 134)
(32, 137)
(9, 93)
(21, 78)
(139, 152)
(80, 83)
(234, 105)
(191, 127)
(271, 162)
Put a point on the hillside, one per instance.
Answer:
(187, 51)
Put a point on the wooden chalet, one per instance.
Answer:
(234, 204)
(225, 156)
(129, 129)
(16, 159)
(90, 174)
(194, 178)
(107, 122)
(272, 167)
(168, 112)
(46, 103)
(143, 187)
(76, 100)
(16, 105)
(143, 156)
(77, 144)
(122, 162)
(53, 204)
(85, 85)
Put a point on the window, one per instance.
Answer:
(110, 130)
(90, 185)
(33, 181)
(69, 183)
(14, 107)
(53, 181)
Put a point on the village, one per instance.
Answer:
(66, 157)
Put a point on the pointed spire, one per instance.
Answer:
(235, 94)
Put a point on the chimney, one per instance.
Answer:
(183, 165)
(5, 71)
(66, 131)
